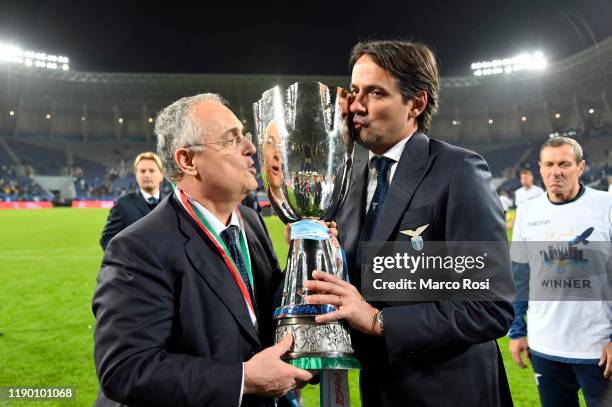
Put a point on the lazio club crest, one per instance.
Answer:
(415, 237)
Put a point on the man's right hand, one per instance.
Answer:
(517, 347)
(265, 374)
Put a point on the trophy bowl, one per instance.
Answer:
(305, 153)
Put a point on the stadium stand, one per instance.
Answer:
(91, 125)
(41, 160)
(20, 188)
(504, 158)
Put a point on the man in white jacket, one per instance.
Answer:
(569, 340)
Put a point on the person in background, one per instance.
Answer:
(505, 201)
(135, 205)
(528, 190)
(568, 342)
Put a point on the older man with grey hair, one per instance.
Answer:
(183, 303)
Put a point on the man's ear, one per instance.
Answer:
(185, 161)
(419, 103)
(581, 166)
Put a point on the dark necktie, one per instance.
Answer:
(230, 238)
(382, 165)
(152, 201)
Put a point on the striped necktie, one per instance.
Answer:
(230, 238)
(382, 165)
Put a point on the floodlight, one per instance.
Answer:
(591, 111)
(9, 52)
(16, 55)
(523, 61)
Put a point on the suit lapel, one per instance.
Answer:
(353, 211)
(210, 265)
(411, 169)
(256, 254)
(141, 204)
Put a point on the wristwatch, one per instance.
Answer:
(379, 318)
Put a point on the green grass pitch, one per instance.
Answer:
(49, 260)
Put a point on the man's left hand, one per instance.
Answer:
(606, 361)
(349, 303)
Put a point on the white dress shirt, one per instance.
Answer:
(146, 195)
(393, 153)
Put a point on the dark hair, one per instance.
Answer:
(525, 171)
(414, 66)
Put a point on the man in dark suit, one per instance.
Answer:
(183, 303)
(133, 206)
(436, 353)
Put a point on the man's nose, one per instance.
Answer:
(357, 106)
(248, 147)
(556, 171)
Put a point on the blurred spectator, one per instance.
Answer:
(528, 190)
(133, 206)
(505, 201)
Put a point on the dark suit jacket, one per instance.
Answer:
(127, 210)
(435, 353)
(172, 328)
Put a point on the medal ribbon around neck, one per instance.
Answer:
(223, 251)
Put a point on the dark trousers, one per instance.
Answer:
(558, 383)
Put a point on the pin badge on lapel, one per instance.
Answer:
(415, 237)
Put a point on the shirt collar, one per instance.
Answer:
(217, 225)
(147, 195)
(394, 153)
(578, 195)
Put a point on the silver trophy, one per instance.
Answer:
(306, 154)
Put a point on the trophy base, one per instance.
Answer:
(325, 363)
(316, 345)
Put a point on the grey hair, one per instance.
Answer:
(560, 141)
(176, 127)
